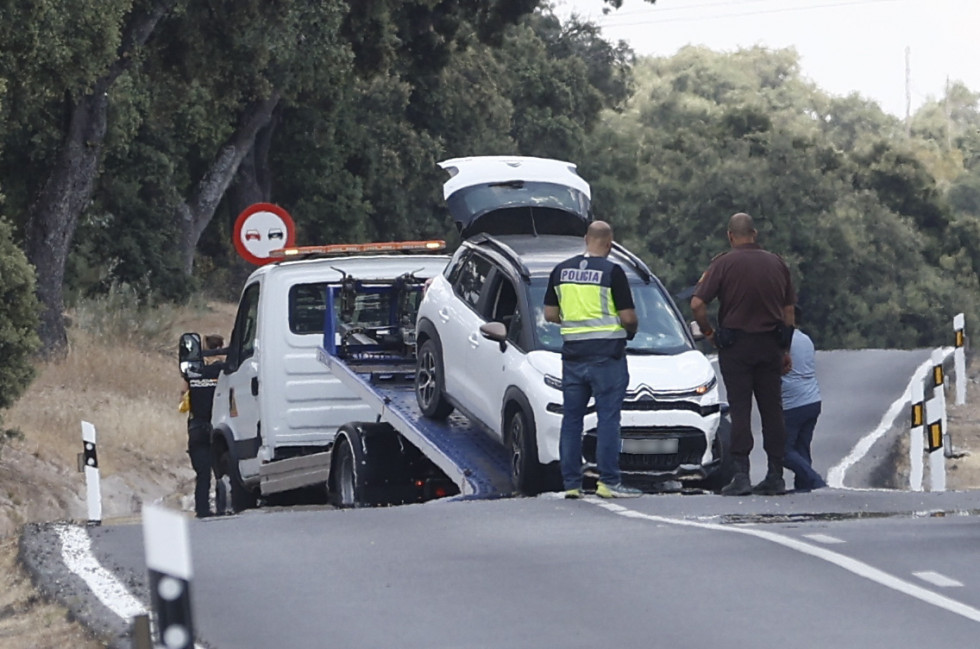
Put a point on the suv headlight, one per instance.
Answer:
(552, 381)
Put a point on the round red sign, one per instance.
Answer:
(260, 229)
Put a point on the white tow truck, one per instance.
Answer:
(282, 419)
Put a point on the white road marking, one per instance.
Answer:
(76, 552)
(823, 538)
(835, 477)
(849, 564)
(938, 579)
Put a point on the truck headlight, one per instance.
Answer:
(552, 381)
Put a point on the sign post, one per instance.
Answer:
(93, 488)
(959, 358)
(168, 560)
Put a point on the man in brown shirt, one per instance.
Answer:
(755, 323)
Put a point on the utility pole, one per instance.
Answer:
(908, 91)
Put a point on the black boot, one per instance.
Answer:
(740, 484)
(773, 484)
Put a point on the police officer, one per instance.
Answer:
(200, 384)
(755, 327)
(590, 297)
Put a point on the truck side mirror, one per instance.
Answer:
(189, 353)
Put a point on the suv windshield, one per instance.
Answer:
(660, 332)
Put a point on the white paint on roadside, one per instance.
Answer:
(835, 477)
(826, 539)
(938, 579)
(849, 564)
(76, 552)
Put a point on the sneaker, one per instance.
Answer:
(573, 494)
(620, 490)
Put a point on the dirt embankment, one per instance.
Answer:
(127, 385)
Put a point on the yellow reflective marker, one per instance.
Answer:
(959, 337)
(935, 440)
(917, 416)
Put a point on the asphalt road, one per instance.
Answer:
(833, 568)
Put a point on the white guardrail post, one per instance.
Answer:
(168, 561)
(90, 462)
(936, 425)
(917, 437)
(959, 358)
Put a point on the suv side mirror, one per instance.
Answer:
(189, 353)
(496, 331)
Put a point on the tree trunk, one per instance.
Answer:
(253, 182)
(68, 188)
(195, 214)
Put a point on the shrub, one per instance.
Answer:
(18, 319)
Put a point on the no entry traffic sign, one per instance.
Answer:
(260, 229)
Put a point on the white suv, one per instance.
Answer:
(486, 349)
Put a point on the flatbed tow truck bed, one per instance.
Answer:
(468, 456)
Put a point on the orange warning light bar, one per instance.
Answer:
(433, 245)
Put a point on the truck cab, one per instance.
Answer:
(276, 408)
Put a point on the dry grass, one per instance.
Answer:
(120, 375)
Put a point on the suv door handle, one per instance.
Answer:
(474, 340)
(444, 314)
(255, 386)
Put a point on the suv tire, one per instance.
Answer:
(525, 470)
(430, 382)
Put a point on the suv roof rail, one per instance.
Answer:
(641, 268)
(506, 251)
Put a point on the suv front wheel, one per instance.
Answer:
(524, 467)
(430, 382)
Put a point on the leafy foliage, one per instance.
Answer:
(18, 319)
(878, 219)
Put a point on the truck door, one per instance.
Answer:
(236, 398)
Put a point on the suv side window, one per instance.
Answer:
(472, 276)
(502, 305)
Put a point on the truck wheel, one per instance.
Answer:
(241, 497)
(525, 470)
(346, 489)
(430, 383)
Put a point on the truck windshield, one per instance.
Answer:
(661, 331)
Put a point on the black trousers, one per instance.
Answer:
(753, 367)
(199, 448)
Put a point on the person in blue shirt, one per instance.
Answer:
(801, 408)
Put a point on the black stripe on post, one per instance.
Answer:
(171, 599)
(91, 459)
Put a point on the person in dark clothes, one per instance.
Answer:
(198, 394)
(755, 325)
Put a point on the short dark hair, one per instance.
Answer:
(214, 341)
